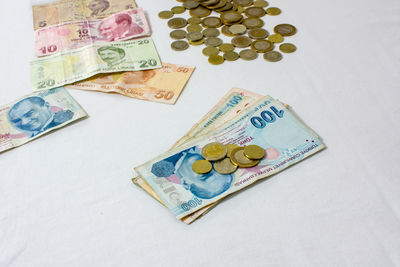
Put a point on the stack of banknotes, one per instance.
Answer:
(95, 45)
(242, 118)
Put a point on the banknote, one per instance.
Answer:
(162, 85)
(36, 114)
(75, 65)
(74, 10)
(227, 108)
(267, 123)
(125, 25)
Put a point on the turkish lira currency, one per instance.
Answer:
(162, 85)
(124, 25)
(75, 65)
(74, 10)
(266, 123)
(36, 114)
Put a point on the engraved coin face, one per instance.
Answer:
(262, 46)
(177, 23)
(224, 166)
(178, 34)
(239, 159)
(254, 12)
(202, 166)
(194, 36)
(210, 50)
(285, 29)
(216, 59)
(226, 47)
(241, 41)
(211, 32)
(258, 34)
(165, 14)
(213, 41)
(179, 45)
(211, 22)
(231, 56)
(273, 56)
(248, 54)
(214, 151)
(237, 29)
(254, 152)
(287, 48)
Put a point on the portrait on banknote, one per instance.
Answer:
(111, 55)
(119, 27)
(178, 169)
(33, 115)
(98, 6)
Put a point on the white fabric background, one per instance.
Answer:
(66, 199)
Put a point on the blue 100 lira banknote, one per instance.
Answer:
(266, 123)
(36, 114)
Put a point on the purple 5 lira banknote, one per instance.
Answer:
(72, 35)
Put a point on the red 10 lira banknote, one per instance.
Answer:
(72, 35)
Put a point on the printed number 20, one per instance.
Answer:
(47, 83)
(151, 62)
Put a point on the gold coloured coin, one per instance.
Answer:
(239, 159)
(213, 41)
(225, 31)
(211, 32)
(252, 23)
(226, 47)
(261, 3)
(214, 151)
(285, 29)
(231, 56)
(287, 48)
(211, 22)
(254, 12)
(230, 148)
(237, 29)
(190, 4)
(165, 14)
(194, 28)
(254, 152)
(224, 166)
(178, 34)
(178, 9)
(210, 50)
(273, 11)
(231, 17)
(216, 59)
(179, 45)
(244, 2)
(241, 41)
(258, 33)
(262, 46)
(199, 42)
(200, 12)
(248, 54)
(194, 36)
(273, 56)
(202, 166)
(194, 20)
(177, 23)
(275, 38)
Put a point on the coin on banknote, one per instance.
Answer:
(224, 166)
(254, 12)
(179, 45)
(273, 11)
(202, 166)
(213, 41)
(254, 152)
(178, 9)
(237, 29)
(241, 41)
(216, 59)
(165, 14)
(190, 4)
(275, 38)
(214, 151)
(178, 34)
(262, 46)
(211, 32)
(258, 33)
(200, 12)
(194, 28)
(211, 22)
(261, 3)
(230, 148)
(177, 23)
(285, 29)
(272, 56)
(287, 48)
(248, 54)
(231, 56)
(226, 47)
(194, 36)
(194, 20)
(252, 23)
(239, 159)
(210, 50)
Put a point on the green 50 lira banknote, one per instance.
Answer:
(75, 65)
(36, 114)
(266, 123)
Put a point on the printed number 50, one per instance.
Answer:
(167, 95)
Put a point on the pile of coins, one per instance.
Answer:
(238, 19)
(227, 158)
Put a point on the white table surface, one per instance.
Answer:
(66, 199)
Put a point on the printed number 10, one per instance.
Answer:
(49, 49)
